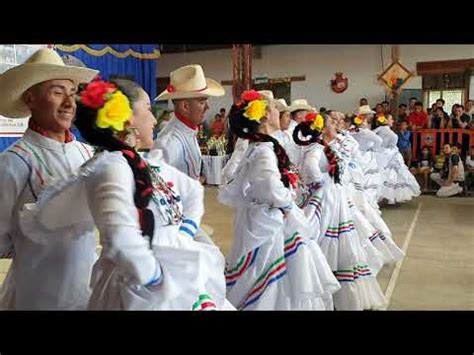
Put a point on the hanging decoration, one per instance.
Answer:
(340, 83)
(395, 76)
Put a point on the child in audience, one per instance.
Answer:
(438, 162)
(404, 144)
(424, 166)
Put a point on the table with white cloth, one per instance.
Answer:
(212, 168)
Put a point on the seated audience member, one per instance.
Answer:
(451, 174)
(418, 119)
(404, 144)
(440, 103)
(437, 119)
(386, 107)
(424, 166)
(411, 104)
(459, 119)
(402, 113)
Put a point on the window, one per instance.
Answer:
(15, 54)
(451, 97)
(281, 90)
(12, 55)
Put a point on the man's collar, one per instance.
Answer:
(186, 121)
(42, 141)
(69, 137)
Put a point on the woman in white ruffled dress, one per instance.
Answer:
(331, 219)
(273, 264)
(368, 220)
(370, 159)
(399, 184)
(147, 212)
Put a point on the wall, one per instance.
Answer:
(360, 63)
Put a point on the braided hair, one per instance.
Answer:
(244, 128)
(106, 139)
(315, 136)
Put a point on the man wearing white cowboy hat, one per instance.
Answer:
(283, 134)
(54, 276)
(189, 90)
(298, 110)
(366, 113)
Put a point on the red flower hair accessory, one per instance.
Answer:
(250, 95)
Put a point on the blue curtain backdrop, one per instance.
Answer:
(5, 142)
(136, 61)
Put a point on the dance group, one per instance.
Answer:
(305, 187)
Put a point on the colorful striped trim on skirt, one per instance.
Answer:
(232, 275)
(204, 303)
(351, 275)
(336, 232)
(273, 273)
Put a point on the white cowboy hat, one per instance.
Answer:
(44, 65)
(365, 110)
(300, 104)
(283, 105)
(268, 94)
(189, 82)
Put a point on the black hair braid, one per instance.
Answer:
(316, 137)
(247, 129)
(282, 158)
(105, 139)
(334, 169)
(303, 127)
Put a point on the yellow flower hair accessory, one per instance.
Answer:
(256, 110)
(317, 121)
(115, 113)
(381, 119)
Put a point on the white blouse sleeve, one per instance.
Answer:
(393, 139)
(13, 178)
(310, 169)
(110, 196)
(239, 152)
(377, 141)
(265, 182)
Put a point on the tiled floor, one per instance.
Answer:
(438, 272)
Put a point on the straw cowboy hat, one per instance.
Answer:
(189, 82)
(44, 65)
(300, 104)
(283, 105)
(268, 94)
(365, 110)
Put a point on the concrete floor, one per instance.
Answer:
(438, 272)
